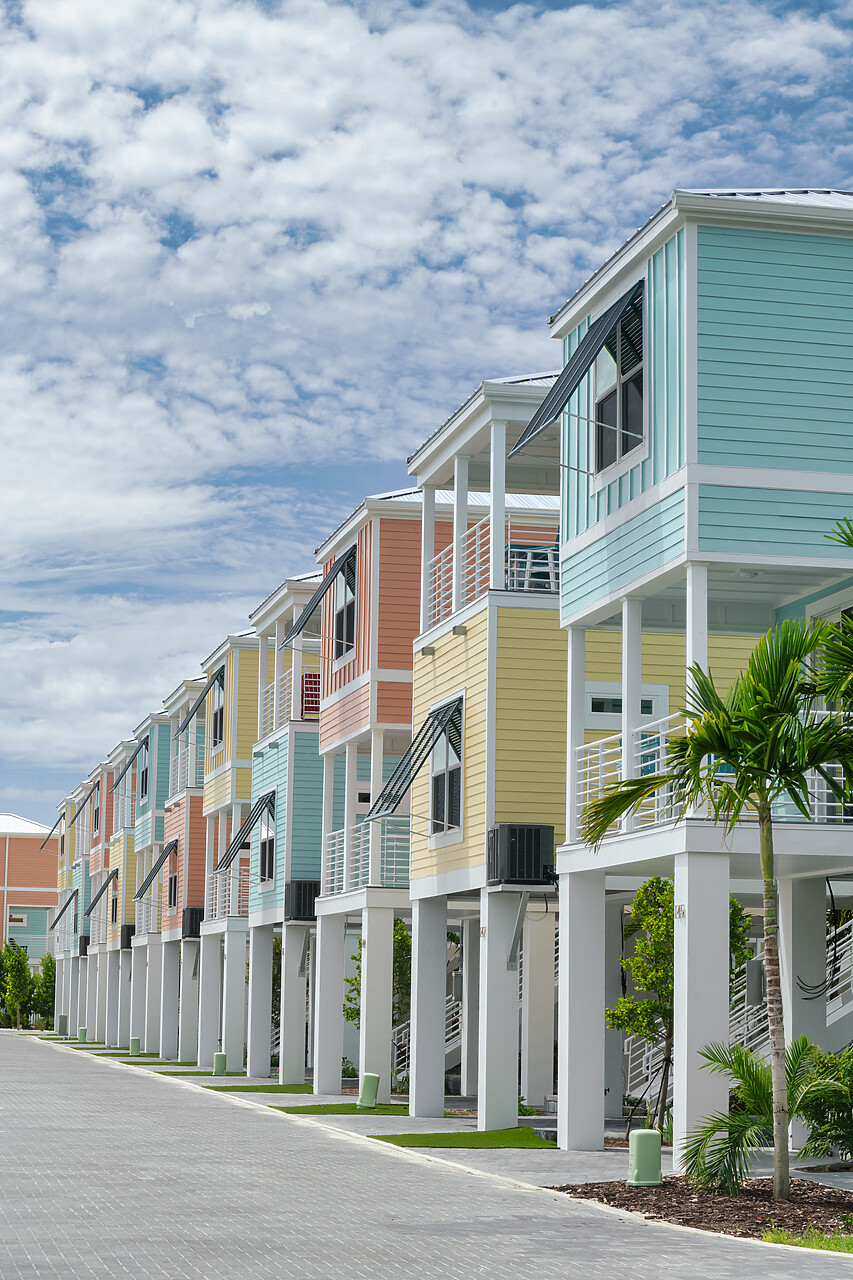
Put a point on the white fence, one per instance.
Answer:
(186, 768)
(390, 839)
(228, 894)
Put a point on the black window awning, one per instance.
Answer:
(140, 744)
(97, 898)
(266, 801)
(219, 674)
(593, 341)
(50, 833)
(155, 871)
(62, 910)
(443, 719)
(84, 802)
(344, 564)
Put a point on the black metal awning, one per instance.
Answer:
(342, 565)
(219, 674)
(140, 744)
(52, 829)
(97, 898)
(437, 722)
(84, 802)
(62, 910)
(266, 801)
(578, 367)
(155, 870)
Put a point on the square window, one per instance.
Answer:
(619, 390)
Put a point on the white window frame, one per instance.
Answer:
(96, 809)
(599, 480)
(266, 883)
(349, 655)
(114, 901)
(605, 722)
(454, 835)
(216, 747)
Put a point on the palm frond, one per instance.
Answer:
(719, 1153)
(842, 532)
(615, 801)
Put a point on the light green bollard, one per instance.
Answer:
(134, 1047)
(644, 1158)
(81, 1034)
(368, 1090)
(220, 1061)
(62, 1025)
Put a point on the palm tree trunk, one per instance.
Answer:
(781, 1172)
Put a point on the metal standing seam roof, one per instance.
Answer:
(12, 825)
(525, 379)
(291, 577)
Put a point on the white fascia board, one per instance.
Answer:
(346, 534)
(215, 659)
(185, 694)
(150, 722)
(119, 754)
(291, 592)
(774, 215)
(493, 401)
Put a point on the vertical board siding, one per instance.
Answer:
(775, 330)
(779, 522)
(643, 543)
(399, 592)
(247, 702)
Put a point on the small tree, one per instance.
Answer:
(649, 1012)
(19, 983)
(402, 970)
(45, 989)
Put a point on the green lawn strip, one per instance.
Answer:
(87, 1044)
(261, 1088)
(810, 1239)
(176, 1071)
(346, 1109)
(489, 1139)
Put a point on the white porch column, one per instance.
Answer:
(188, 1011)
(613, 1082)
(575, 717)
(296, 671)
(169, 993)
(429, 982)
(111, 1032)
(101, 1007)
(697, 615)
(427, 551)
(138, 979)
(802, 954)
(291, 1053)
(470, 1005)
(58, 989)
(497, 508)
(580, 1036)
(328, 818)
(309, 1004)
(153, 995)
(701, 996)
(260, 1001)
(92, 997)
(234, 998)
(73, 995)
(125, 963)
(209, 997)
(632, 677)
(262, 682)
(537, 1006)
(280, 632)
(329, 1004)
(377, 980)
(497, 1089)
(460, 527)
(238, 813)
(377, 741)
(350, 793)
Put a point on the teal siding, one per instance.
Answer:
(269, 771)
(797, 608)
(81, 881)
(777, 522)
(161, 793)
(665, 396)
(775, 330)
(643, 543)
(33, 934)
(142, 830)
(307, 818)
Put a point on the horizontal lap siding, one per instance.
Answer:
(775, 328)
(26, 866)
(144, 829)
(344, 717)
(778, 522)
(621, 557)
(217, 791)
(399, 592)
(394, 701)
(307, 808)
(161, 793)
(269, 773)
(174, 829)
(247, 702)
(193, 861)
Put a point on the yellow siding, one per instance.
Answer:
(530, 718)
(247, 704)
(217, 791)
(460, 662)
(243, 784)
(122, 855)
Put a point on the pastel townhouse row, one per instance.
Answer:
(701, 422)
(69, 927)
(29, 861)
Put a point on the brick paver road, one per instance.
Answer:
(112, 1172)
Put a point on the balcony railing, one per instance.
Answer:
(124, 812)
(81, 838)
(306, 708)
(97, 928)
(228, 894)
(62, 939)
(531, 563)
(186, 769)
(387, 839)
(149, 914)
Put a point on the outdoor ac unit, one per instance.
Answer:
(127, 932)
(191, 922)
(84, 944)
(299, 898)
(521, 854)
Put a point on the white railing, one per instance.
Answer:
(306, 708)
(228, 894)
(394, 843)
(63, 937)
(124, 811)
(333, 880)
(268, 709)
(401, 1037)
(81, 839)
(97, 928)
(531, 563)
(149, 914)
(186, 768)
(839, 965)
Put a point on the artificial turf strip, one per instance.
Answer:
(345, 1109)
(176, 1071)
(488, 1139)
(261, 1088)
(810, 1239)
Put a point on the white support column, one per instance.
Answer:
(280, 633)
(125, 963)
(296, 672)
(262, 682)
(802, 955)
(537, 1006)
(460, 527)
(613, 1042)
(111, 1029)
(497, 508)
(329, 1004)
(291, 1053)
(169, 994)
(327, 823)
(575, 717)
(377, 740)
(427, 551)
(697, 616)
(153, 995)
(429, 981)
(101, 1005)
(234, 998)
(309, 1004)
(92, 997)
(58, 989)
(497, 1089)
(632, 679)
(470, 1004)
(701, 995)
(260, 1001)
(138, 979)
(377, 981)
(350, 794)
(188, 1010)
(209, 997)
(580, 1035)
(73, 995)
(238, 813)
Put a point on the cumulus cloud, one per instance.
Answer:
(250, 252)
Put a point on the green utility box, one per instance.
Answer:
(220, 1061)
(134, 1047)
(368, 1090)
(81, 1034)
(644, 1158)
(62, 1024)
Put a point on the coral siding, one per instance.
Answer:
(399, 595)
(394, 701)
(193, 865)
(331, 681)
(29, 868)
(345, 717)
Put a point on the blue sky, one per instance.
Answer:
(252, 254)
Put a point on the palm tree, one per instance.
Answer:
(764, 742)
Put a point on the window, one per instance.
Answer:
(76, 914)
(96, 807)
(217, 702)
(345, 609)
(142, 767)
(172, 883)
(267, 834)
(446, 782)
(62, 839)
(619, 390)
(613, 706)
(114, 901)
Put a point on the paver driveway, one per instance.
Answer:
(112, 1172)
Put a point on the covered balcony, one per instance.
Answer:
(186, 768)
(149, 914)
(278, 704)
(228, 893)
(369, 854)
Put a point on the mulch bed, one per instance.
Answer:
(749, 1214)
